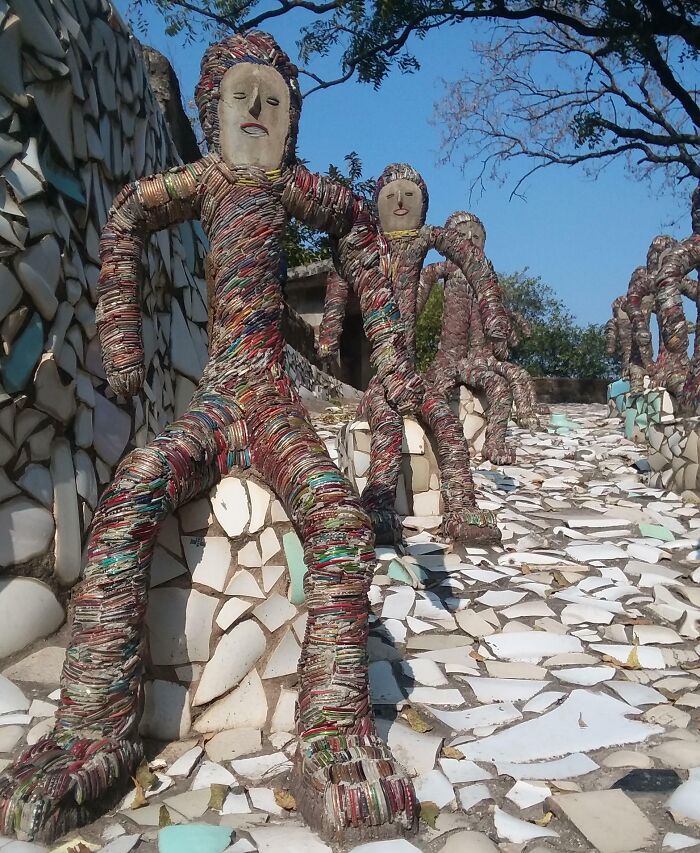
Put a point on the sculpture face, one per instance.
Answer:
(400, 206)
(253, 116)
(474, 232)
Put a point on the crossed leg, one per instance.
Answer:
(520, 381)
(52, 786)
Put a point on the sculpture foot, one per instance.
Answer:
(349, 789)
(499, 453)
(472, 526)
(386, 525)
(52, 787)
(528, 421)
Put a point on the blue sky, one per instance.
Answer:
(582, 236)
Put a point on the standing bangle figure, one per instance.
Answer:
(466, 356)
(402, 201)
(244, 411)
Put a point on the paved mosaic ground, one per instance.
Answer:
(544, 693)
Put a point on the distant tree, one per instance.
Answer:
(558, 346)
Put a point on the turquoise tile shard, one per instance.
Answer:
(656, 531)
(297, 567)
(561, 424)
(199, 837)
(25, 352)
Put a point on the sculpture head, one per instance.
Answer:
(401, 197)
(695, 210)
(249, 101)
(468, 224)
(658, 246)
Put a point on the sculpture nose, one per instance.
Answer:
(400, 198)
(255, 103)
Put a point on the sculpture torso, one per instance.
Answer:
(403, 262)
(244, 222)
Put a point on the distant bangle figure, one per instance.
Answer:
(465, 354)
(402, 201)
(618, 335)
(683, 381)
(244, 411)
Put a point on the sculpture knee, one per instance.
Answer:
(338, 512)
(144, 470)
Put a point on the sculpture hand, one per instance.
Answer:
(126, 383)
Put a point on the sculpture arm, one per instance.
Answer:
(429, 277)
(482, 277)
(331, 207)
(334, 307)
(611, 336)
(677, 263)
(144, 206)
(639, 288)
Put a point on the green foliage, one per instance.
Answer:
(428, 329)
(558, 346)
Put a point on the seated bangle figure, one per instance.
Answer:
(244, 411)
(682, 379)
(402, 202)
(465, 355)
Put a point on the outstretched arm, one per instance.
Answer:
(334, 306)
(333, 208)
(482, 277)
(144, 206)
(677, 263)
(429, 277)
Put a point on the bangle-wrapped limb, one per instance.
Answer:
(142, 207)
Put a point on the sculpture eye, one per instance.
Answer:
(390, 195)
(273, 102)
(408, 193)
(239, 96)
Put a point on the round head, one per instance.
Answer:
(402, 198)
(695, 210)
(658, 246)
(468, 224)
(249, 101)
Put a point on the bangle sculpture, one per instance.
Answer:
(244, 411)
(682, 378)
(402, 202)
(466, 355)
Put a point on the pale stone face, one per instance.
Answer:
(400, 205)
(474, 232)
(253, 116)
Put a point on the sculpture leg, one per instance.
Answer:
(527, 407)
(94, 746)
(474, 373)
(347, 784)
(462, 520)
(386, 436)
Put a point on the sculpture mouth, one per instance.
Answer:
(252, 128)
(400, 211)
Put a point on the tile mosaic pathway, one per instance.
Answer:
(518, 684)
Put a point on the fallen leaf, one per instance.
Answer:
(217, 795)
(544, 820)
(139, 796)
(476, 656)
(145, 777)
(415, 721)
(429, 813)
(451, 752)
(284, 799)
(79, 848)
(633, 659)
(164, 817)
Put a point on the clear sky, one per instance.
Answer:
(582, 236)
